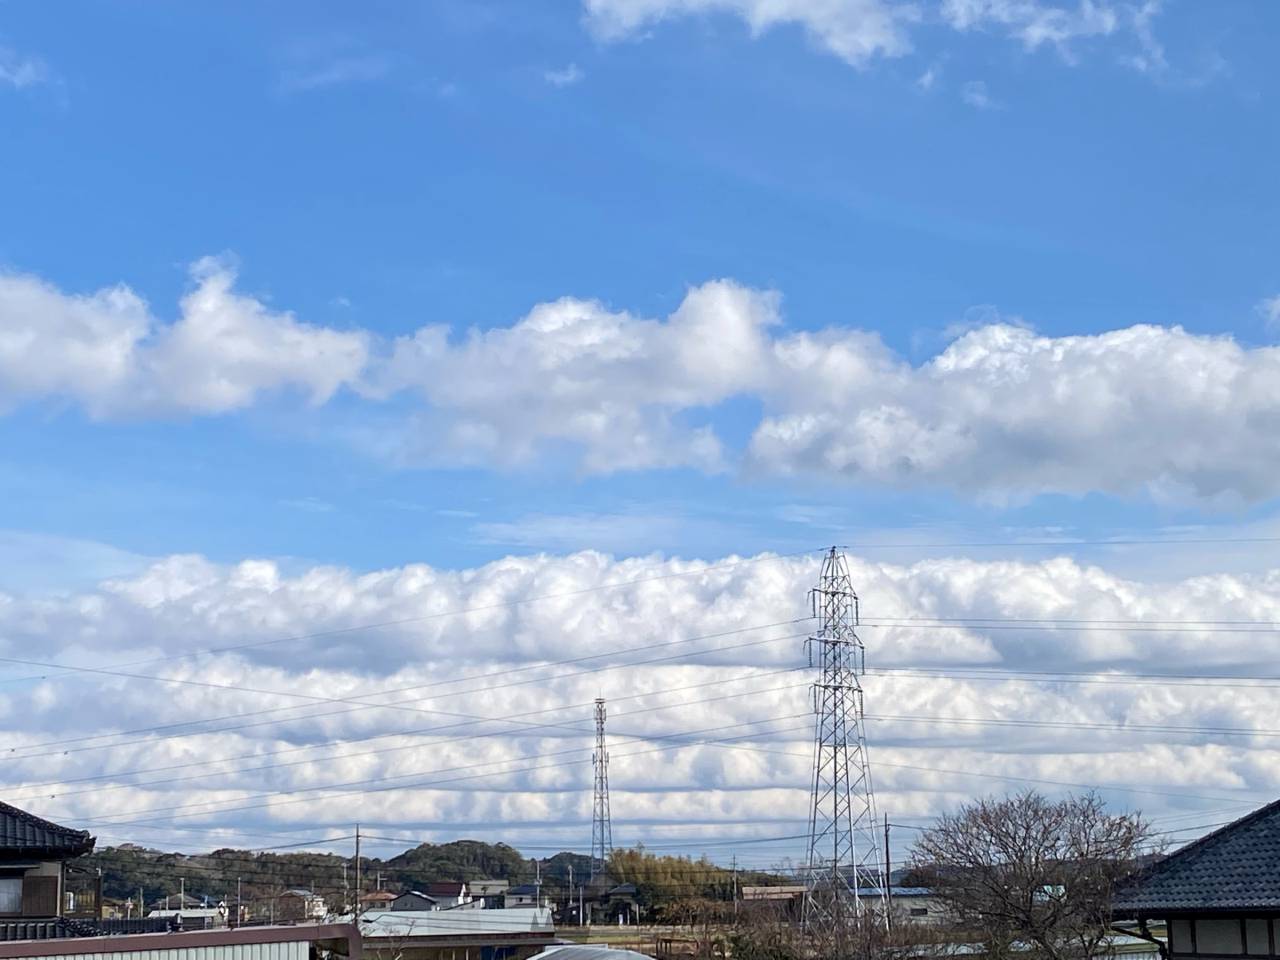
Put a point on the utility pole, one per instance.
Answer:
(239, 904)
(735, 886)
(843, 848)
(601, 828)
(888, 878)
(358, 888)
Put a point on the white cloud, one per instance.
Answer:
(925, 82)
(575, 372)
(1270, 312)
(565, 77)
(1001, 413)
(1037, 24)
(425, 676)
(107, 351)
(1004, 411)
(316, 66)
(857, 31)
(976, 95)
(20, 72)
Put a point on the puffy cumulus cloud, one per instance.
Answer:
(471, 706)
(608, 382)
(858, 31)
(1006, 412)
(107, 351)
(1001, 413)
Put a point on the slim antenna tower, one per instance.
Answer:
(601, 829)
(844, 852)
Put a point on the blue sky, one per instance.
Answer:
(314, 317)
(421, 164)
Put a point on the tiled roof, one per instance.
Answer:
(1236, 867)
(25, 834)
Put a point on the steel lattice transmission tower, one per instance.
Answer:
(601, 829)
(844, 852)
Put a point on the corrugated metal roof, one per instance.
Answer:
(25, 834)
(1236, 867)
(587, 951)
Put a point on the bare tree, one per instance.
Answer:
(1027, 873)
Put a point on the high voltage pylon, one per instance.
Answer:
(601, 829)
(843, 849)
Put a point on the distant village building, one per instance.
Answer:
(447, 894)
(489, 894)
(301, 905)
(524, 895)
(377, 900)
(1217, 897)
(414, 900)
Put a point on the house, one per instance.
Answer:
(489, 894)
(912, 904)
(301, 905)
(524, 895)
(1216, 897)
(448, 894)
(35, 878)
(621, 905)
(413, 900)
(377, 900)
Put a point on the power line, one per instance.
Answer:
(470, 722)
(366, 781)
(521, 601)
(359, 702)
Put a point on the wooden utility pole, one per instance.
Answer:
(358, 889)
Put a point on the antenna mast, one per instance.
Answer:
(601, 829)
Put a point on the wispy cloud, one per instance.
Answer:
(925, 82)
(566, 77)
(308, 505)
(976, 95)
(1269, 309)
(317, 67)
(21, 72)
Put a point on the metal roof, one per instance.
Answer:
(1237, 867)
(587, 951)
(24, 834)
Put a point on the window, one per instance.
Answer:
(11, 895)
(919, 911)
(1218, 936)
(1180, 936)
(1255, 938)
